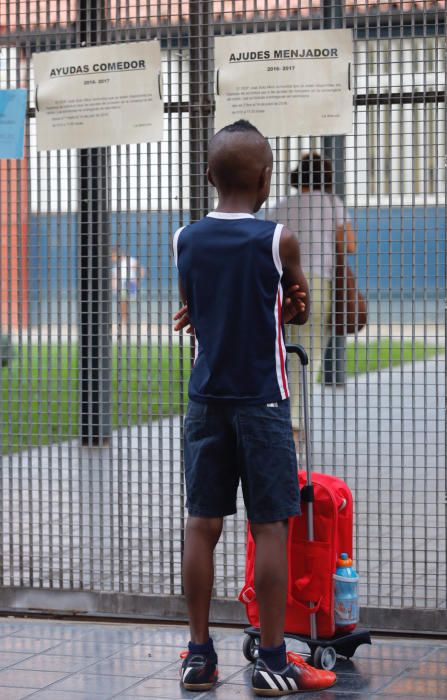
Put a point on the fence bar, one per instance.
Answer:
(94, 275)
(334, 149)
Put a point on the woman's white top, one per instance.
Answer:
(314, 216)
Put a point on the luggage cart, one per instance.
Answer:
(323, 652)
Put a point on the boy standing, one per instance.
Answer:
(232, 271)
(126, 276)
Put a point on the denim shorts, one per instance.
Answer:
(225, 444)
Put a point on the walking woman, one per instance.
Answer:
(316, 214)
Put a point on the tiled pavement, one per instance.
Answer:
(90, 661)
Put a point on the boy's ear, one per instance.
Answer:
(210, 177)
(266, 176)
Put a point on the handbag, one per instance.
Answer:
(351, 312)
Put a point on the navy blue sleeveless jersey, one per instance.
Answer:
(231, 271)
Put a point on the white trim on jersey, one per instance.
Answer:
(229, 215)
(275, 248)
(280, 350)
(175, 243)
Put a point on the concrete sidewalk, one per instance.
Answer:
(48, 660)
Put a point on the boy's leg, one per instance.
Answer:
(271, 495)
(201, 537)
(271, 572)
(275, 672)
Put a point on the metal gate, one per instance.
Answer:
(94, 381)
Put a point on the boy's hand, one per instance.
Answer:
(183, 321)
(294, 282)
(294, 302)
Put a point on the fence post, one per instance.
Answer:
(200, 104)
(93, 266)
(334, 150)
(200, 117)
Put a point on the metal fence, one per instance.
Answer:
(93, 385)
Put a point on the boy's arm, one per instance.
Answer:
(181, 316)
(297, 302)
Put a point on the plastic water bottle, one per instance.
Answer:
(346, 595)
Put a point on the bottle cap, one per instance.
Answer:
(344, 560)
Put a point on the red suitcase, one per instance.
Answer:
(316, 538)
(311, 564)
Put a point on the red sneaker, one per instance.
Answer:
(297, 677)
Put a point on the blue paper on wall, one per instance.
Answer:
(12, 122)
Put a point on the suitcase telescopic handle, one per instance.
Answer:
(304, 359)
(307, 493)
(300, 351)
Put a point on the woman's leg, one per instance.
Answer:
(313, 337)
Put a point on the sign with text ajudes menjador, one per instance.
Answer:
(286, 83)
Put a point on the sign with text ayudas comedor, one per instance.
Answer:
(99, 96)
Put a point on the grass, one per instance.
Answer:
(39, 402)
(372, 357)
(40, 391)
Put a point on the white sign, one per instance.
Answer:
(286, 83)
(99, 96)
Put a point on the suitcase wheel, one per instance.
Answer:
(324, 657)
(250, 648)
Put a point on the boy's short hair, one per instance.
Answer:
(235, 154)
(240, 125)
